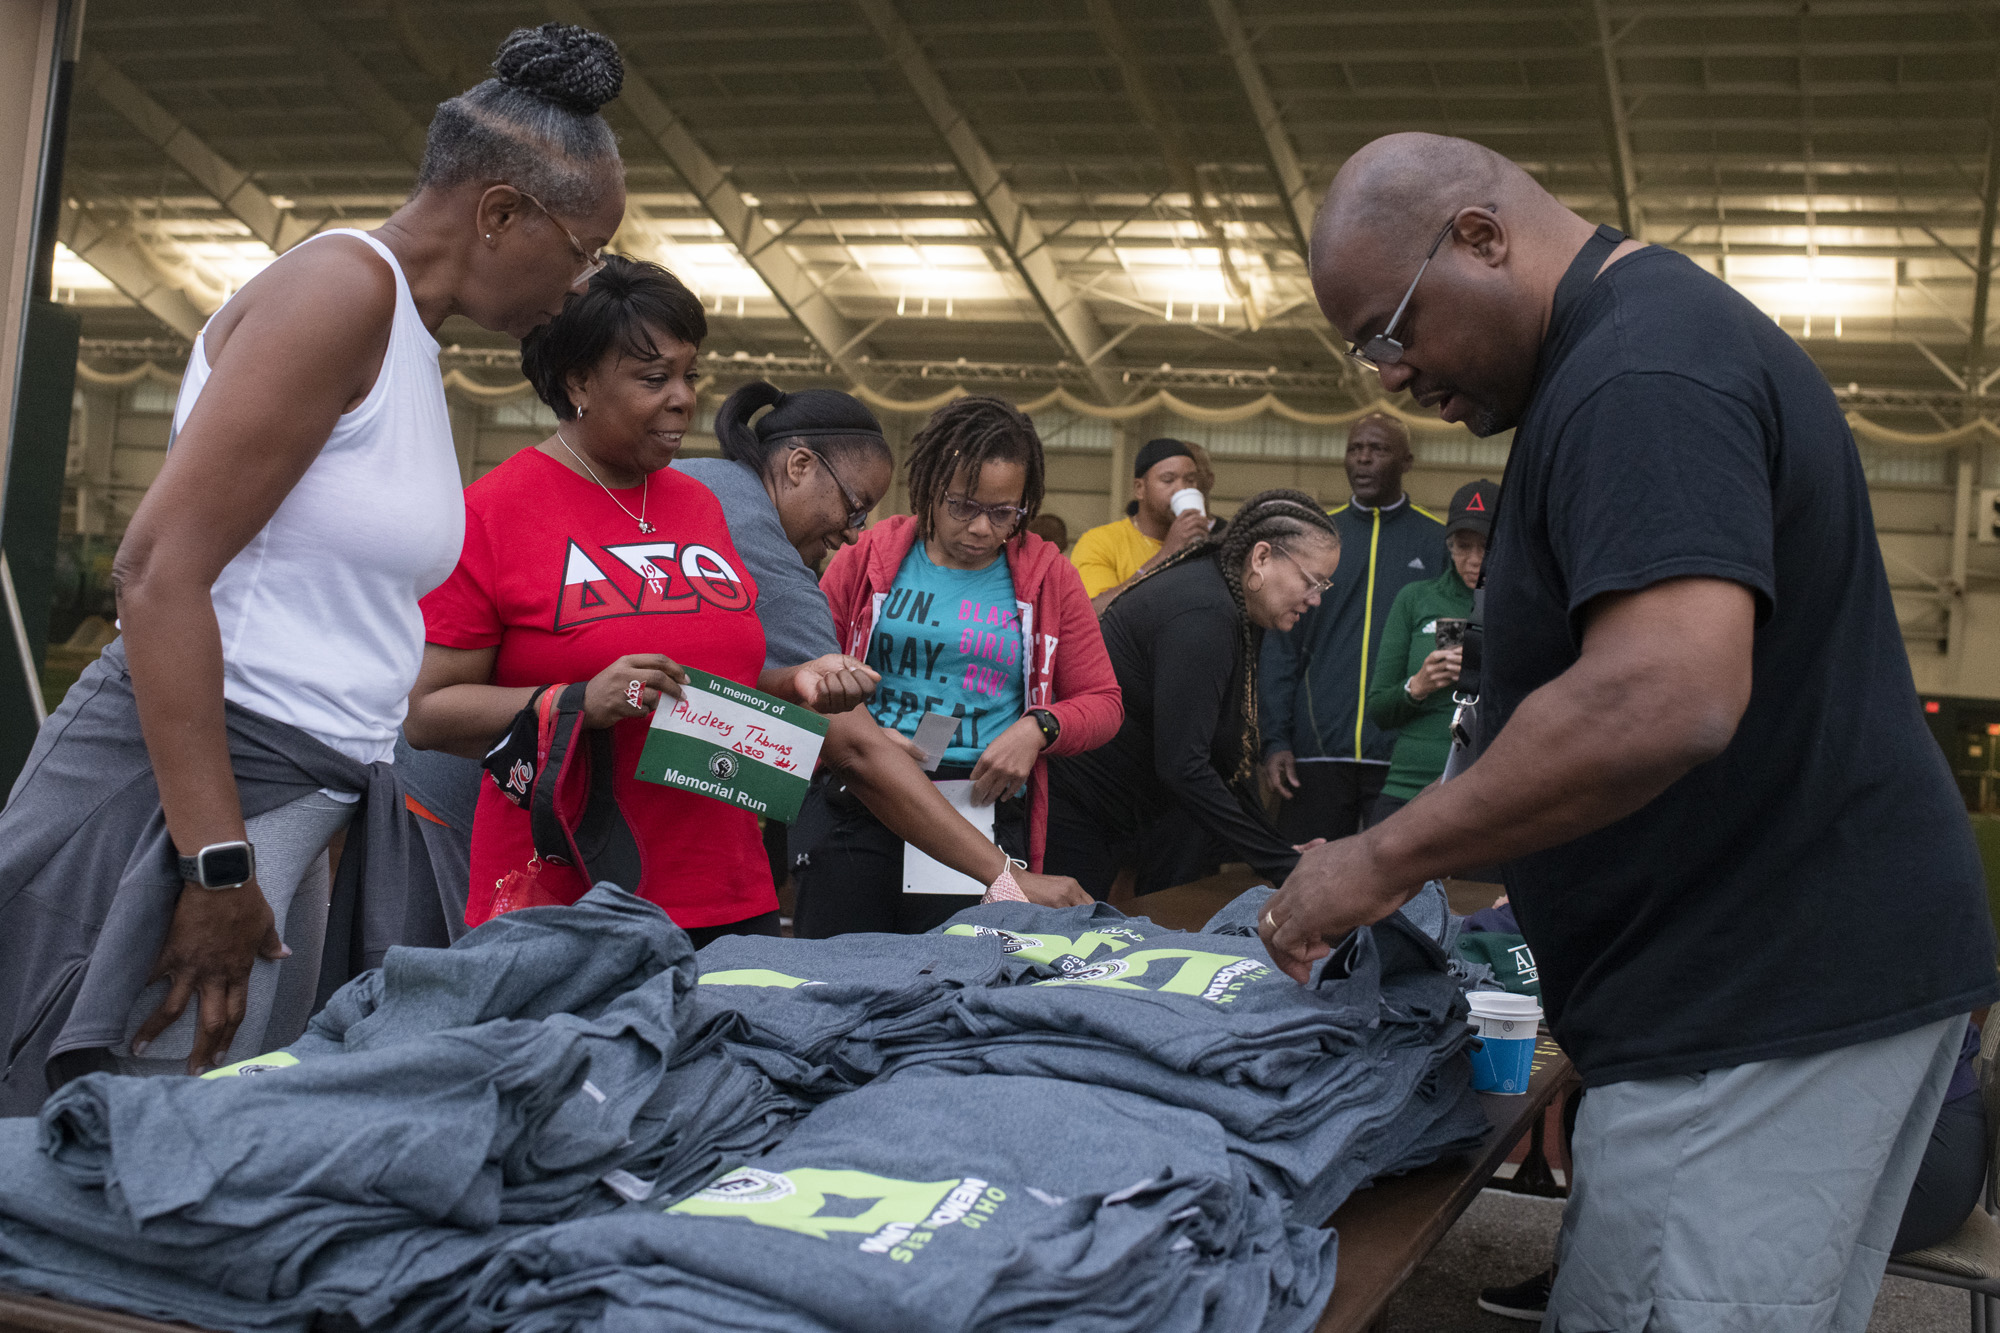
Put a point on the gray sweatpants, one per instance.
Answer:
(294, 872)
(1761, 1197)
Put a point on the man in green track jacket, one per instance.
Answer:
(1412, 688)
(1323, 756)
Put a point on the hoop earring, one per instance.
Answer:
(580, 411)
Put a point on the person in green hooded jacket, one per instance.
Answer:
(1411, 688)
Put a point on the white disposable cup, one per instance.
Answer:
(1506, 1025)
(1186, 499)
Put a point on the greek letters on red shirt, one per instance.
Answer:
(561, 583)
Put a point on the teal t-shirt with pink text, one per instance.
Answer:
(949, 641)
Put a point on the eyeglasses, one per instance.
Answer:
(1314, 587)
(857, 513)
(1004, 518)
(592, 261)
(1383, 349)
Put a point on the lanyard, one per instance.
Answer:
(1575, 285)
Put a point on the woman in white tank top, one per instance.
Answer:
(310, 497)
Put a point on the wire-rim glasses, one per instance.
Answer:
(1383, 349)
(1004, 518)
(592, 260)
(857, 513)
(1314, 587)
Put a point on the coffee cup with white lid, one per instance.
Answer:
(1506, 1025)
(1186, 500)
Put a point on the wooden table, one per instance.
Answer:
(1386, 1231)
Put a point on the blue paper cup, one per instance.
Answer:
(1506, 1026)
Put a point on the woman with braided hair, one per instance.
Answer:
(1183, 640)
(964, 612)
(167, 859)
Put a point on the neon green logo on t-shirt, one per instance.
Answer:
(256, 1064)
(899, 1219)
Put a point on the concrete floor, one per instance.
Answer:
(1505, 1237)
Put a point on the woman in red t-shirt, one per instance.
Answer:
(587, 558)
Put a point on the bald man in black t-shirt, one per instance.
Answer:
(1705, 766)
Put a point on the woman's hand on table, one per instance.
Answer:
(215, 936)
(1007, 762)
(632, 686)
(1051, 890)
(834, 683)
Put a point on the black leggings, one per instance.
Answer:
(851, 879)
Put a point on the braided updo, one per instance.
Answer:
(534, 124)
(1284, 518)
(573, 67)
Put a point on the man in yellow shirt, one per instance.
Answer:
(1111, 556)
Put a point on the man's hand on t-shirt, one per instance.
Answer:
(1051, 890)
(1007, 762)
(632, 686)
(834, 683)
(1335, 889)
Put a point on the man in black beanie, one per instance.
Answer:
(1111, 556)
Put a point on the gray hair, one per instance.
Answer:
(534, 124)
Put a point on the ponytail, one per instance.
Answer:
(739, 442)
(826, 420)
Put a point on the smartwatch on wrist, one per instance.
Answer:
(1047, 722)
(220, 865)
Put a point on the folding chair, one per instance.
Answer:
(1970, 1258)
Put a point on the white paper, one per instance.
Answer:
(922, 874)
(934, 733)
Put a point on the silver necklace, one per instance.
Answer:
(645, 488)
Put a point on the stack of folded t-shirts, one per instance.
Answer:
(1318, 1088)
(1035, 1118)
(540, 1069)
(1360, 1073)
(1430, 1110)
(820, 1013)
(934, 1202)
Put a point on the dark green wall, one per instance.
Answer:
(34, 511)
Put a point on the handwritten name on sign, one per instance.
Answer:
(734, 744)
(756, 740)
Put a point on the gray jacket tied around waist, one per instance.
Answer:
(88, 884)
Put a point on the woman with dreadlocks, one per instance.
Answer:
(1183, 640)
(968, 614)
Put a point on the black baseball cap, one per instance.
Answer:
(1472, 508)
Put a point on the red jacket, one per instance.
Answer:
(1069, 673)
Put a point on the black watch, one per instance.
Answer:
(1047, 722)
(220, 865)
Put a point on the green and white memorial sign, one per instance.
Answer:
(736, 745)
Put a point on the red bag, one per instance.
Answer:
(565, 785)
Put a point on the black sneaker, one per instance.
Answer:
(1527, 1301)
